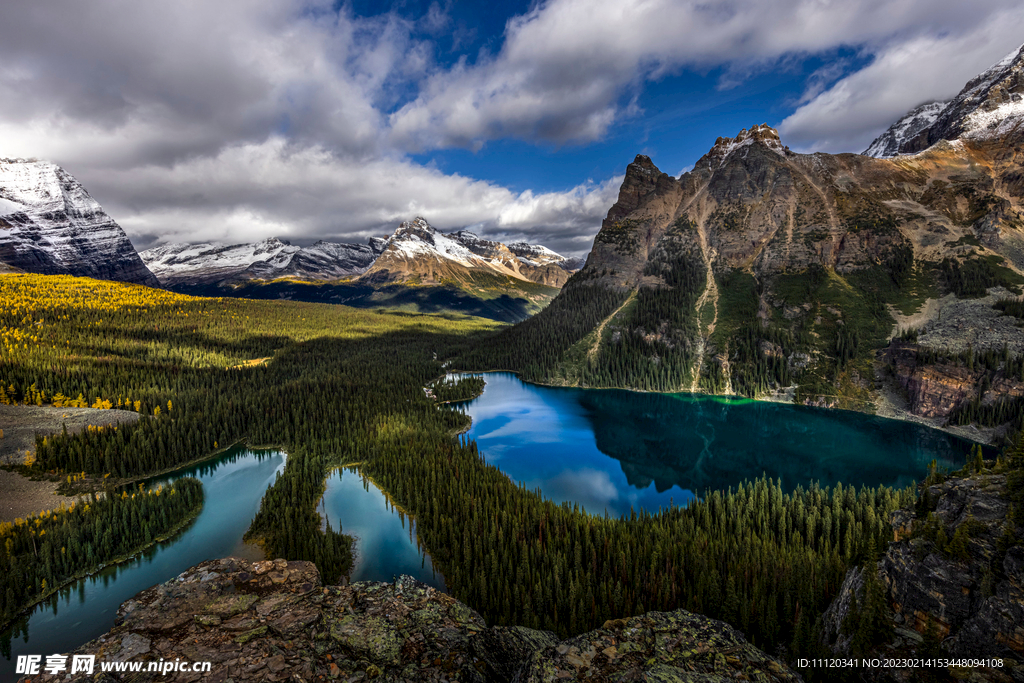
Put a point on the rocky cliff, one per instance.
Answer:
(763, 271)
(274, 621)
(954, 574)
(50, 224)
(936, 386)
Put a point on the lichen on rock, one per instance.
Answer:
(274, 621)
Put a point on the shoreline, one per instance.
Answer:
(120, 559)
(23, 496)
(887, 407)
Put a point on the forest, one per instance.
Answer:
(345, 386)
(40, 554)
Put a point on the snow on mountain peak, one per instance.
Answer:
(915, 121)
(412, 245)
(990, 105)
(50, 224)
(268, 259)
(762, 134)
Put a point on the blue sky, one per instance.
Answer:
(680, 116)
(312, 119)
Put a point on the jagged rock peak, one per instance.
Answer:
(762, 134)
(643, 164)
(642, 178)
(418, 223)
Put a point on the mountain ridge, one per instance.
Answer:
(209, 262)
(415, 252)
(990, 104)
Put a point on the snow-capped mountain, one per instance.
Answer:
(207, 263)
(419, 252)
(535, 254)
(49, 224)
(989, 106)
(915, 122)
(416, 251)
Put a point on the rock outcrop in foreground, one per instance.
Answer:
(955, 571)
(274, 621)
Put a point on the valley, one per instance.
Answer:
(566, 460)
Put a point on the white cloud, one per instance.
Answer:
(851, 113)
(242, 119)
(567, 68)
(274, 188)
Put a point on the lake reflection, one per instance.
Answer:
(233, 486)
(609, 449)
(386, 545)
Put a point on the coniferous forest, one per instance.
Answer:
(40, 554)
(335, 386)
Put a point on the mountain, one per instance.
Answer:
(420, 253)
(916, 122)
(990, 105)
(764, 272)
(206, 263)
(415, 252)
(417, 268)
(49, 224)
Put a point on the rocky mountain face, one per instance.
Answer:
(953, 574)
(418, 252)
(49, 224)
(763, 270)
(936, 387)
(190, 264)
(274, 621)
(990, 105)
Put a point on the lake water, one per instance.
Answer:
(610, 450)
(233, 485)
(386, 544)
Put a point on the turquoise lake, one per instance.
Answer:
(233, 485)
(612, 450)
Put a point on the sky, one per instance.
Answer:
(238, 120)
